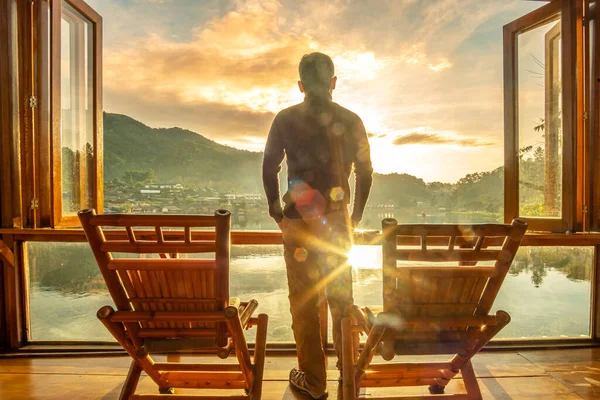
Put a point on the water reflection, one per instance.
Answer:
(547, 291)
(573, 262)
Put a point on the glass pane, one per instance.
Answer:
(540, 121)
(77, 103)
(66, 290)
(547, 291)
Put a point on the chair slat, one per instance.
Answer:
(212, 376)
(194, 221)
(168, 264)
(448, 322)
(204, 384)
(446, 271)
(164, 300)
(447, 255)
(452, 243)
(137, 316)
(181, 397)
(479, 243)
(161, 277)
(156, 292)
(433, 230)
(154, 248)
(416, 336)
(175, 366)
(430, 347)
(159, 234)
(434, 306)
(149, 292)
(413, 366)
(130, 234)
(177, 333)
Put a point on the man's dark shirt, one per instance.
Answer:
(322, 140)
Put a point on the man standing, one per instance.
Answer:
(322, 141)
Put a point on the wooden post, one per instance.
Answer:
(470, 381)
(366, 355)
(241, 347)
(222, 254)
(348, 384)
(12, 294)
(260, 352)
(9, 154)
(479, 339)
(133, 377)
(116, 329)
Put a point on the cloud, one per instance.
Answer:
(443, 64)
(243, 62)
(223, 68)
(439, 139)
(216, 121)
(378, 135)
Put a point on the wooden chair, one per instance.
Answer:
(431, 309)
(169, 304)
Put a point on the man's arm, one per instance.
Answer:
(273, 157)
(363, 171)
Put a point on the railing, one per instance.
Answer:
(274, 237)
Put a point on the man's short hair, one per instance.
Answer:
(316, 71)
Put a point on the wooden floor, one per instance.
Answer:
(545, 374)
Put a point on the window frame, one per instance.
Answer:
(593, 120)
(571, 208)
(20, 237)
(58, 219)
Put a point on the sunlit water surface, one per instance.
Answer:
(559, 306)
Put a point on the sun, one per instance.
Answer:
(364, 257)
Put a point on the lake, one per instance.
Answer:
(547, 291)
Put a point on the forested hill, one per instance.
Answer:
(178, 155)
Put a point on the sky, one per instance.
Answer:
(424, 75)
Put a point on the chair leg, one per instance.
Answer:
(131, 382)
(259, 357)
(348, 384)
(470, 380)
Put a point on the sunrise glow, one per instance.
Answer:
(424, 91)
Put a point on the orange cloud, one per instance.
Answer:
(243, 61)
(438, 139)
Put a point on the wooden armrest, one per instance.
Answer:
(246, 315)
(366, 316)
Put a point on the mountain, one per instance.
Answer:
(177, 154)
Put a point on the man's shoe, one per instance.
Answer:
(298, 382)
